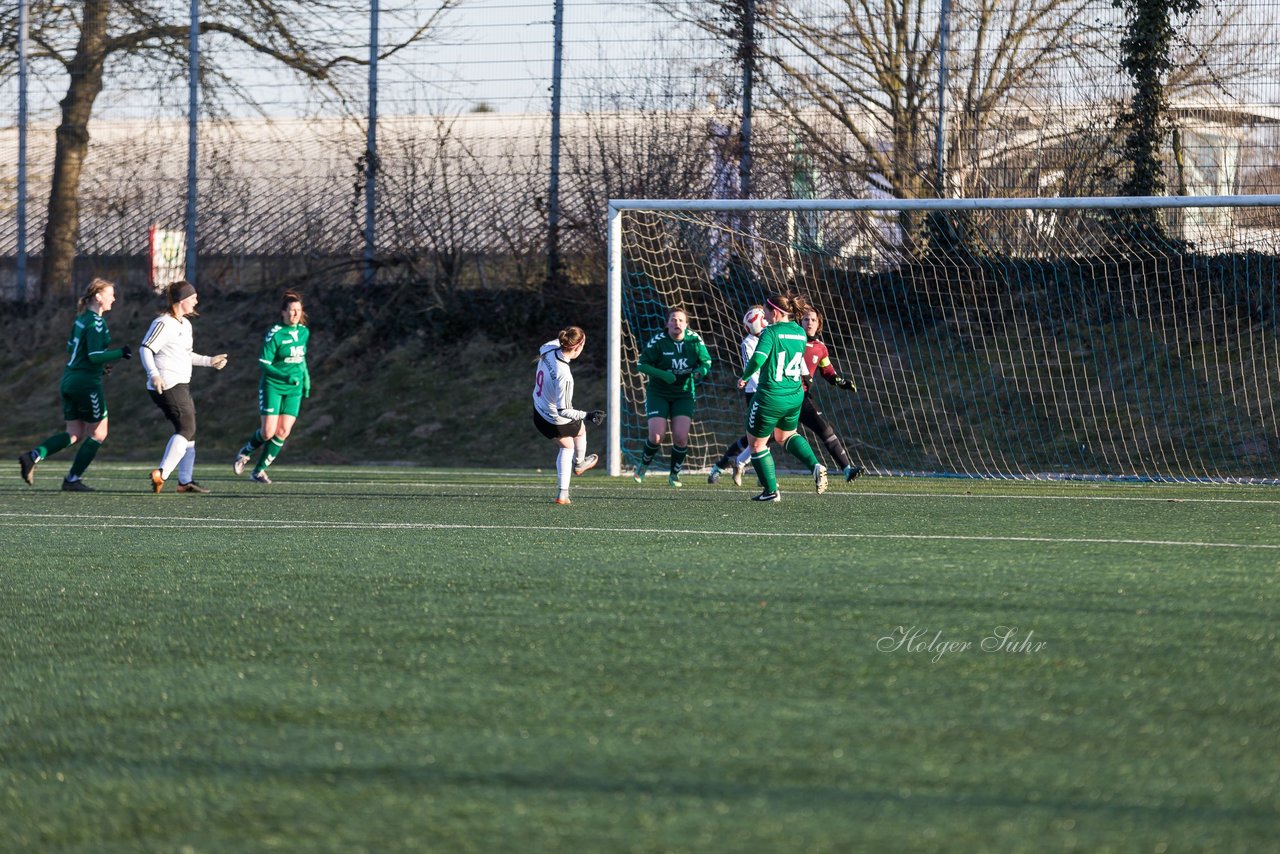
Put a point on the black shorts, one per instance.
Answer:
(555, 431)
(179, 408)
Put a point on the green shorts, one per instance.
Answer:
(764, 416)
(278, 402)
(661, 407)
(83, 400)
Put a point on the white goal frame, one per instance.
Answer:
(618, 207)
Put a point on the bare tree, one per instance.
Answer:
(859, 80)
(89, 41)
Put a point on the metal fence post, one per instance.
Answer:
(193, 126)
(553, 188)
(371, 151)
(21, 266)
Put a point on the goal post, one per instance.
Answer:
(1110, 338)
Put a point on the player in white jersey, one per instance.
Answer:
(168, 353)
(553, 412)
(738, 455)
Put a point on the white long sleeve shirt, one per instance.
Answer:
(168, 349)
(746, 349)
(553, 386)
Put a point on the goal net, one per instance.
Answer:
(1117, 338)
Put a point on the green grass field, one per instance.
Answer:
(404, 659)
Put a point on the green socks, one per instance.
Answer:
(798, 447)
(650, 451)
(52, 445)
(84, 456)
(762, 462)
(677, 458)
(254, 443)
(269, 453)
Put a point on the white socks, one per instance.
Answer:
(580, 447)
(173, 453)
(564, 469)
(187, 466)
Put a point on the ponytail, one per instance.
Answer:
(96, 287)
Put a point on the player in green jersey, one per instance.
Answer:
(775, 409)
(84, 403)
(285, 381)
(674, 361)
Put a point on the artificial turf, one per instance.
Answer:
(407, 659)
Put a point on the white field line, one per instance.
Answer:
(549, 487)
(27, 520)
(380, 477)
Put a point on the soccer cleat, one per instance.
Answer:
(715, 474)
(259, 477)
(851, 473)
(767, 496)
(673, 480)
(242, 460)
(638, 474)
(76, 486)
(586, 465)
(560, 500)
(738, 470)
(157, 480)
(28, 463)
(192, 487)
(820, 478)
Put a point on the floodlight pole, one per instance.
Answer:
(553, 188)
(944, 38)
(748, 75)
(21, 264)
(371, 151)
(193, 121)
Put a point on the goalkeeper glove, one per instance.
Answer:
(596, 416)
(845, 384)
(126, 352)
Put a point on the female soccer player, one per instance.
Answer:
(818, 360)
(168, 353)
(84, 403)
(283, 384)
(737, 455)
(553, 412)
(775, 409)
(674, 360)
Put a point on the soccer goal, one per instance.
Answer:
(1111, 338)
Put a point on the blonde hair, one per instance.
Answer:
(96, 287)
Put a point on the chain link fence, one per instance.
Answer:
(652, 107)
